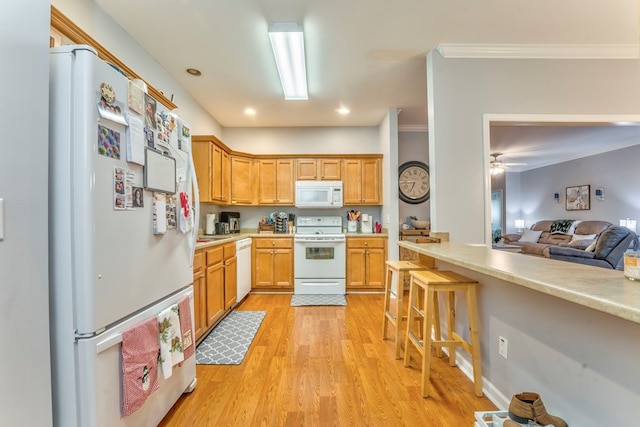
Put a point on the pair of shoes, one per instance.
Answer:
(528, 406)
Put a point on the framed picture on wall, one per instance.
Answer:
(578, 198)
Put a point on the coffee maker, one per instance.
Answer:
(233, 219)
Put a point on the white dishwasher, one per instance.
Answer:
(243, 255)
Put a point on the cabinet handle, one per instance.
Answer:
(202, 276)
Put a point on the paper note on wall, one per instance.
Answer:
(135, 140)
(159, 213)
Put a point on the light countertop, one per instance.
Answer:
(232, 237)
(598, 288)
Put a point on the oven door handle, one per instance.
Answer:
(331, 240)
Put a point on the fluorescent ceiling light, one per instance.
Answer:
(287, 41)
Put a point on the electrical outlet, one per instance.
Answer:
(503, 346)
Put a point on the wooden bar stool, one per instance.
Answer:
(400, 268)
(432, 282)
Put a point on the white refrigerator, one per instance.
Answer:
(119, 251)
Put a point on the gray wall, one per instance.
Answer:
(582, 362)
(413, 146)
(24, 306)
(556, 348)
(615, 171)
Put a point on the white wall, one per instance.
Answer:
(460, 91)
(24, 305)
(303, 140)
(388, 143)
(91, 19)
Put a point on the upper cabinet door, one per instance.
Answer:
(306, 169)
(201, 152)
(330, 169)
(318, 169)
(276, 182)
(361, 182)
(242, 180)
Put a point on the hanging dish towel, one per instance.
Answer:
(139, 365)
(188, 348)
(170, 339)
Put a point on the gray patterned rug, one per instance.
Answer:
(229, 341)
(302, 300)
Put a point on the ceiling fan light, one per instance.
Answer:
(496, 169)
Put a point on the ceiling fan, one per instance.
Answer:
(498, 166)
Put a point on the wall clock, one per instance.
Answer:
(413, 182)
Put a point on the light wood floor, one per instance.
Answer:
(325, 366)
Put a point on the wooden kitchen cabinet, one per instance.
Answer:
(199, 294)
(362, 181)
(221, 169)
(242, 183)
(230, 265)
(272, 263)
(211, 162)
(214, 286)
(275, 181)
(318, 169)
(201, 152)
(366, 257)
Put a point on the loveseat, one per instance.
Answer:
(608, 251)
(569, 233)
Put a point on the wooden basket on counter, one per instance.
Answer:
(266, 228)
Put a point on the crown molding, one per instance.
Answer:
(538, 51)
(413, 128)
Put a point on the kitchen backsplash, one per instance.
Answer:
(250, 216)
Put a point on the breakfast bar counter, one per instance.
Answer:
(572, 331)
(598, 288)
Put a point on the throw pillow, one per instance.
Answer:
(561, 226)
(572, 229)
(580, 244)
(591, 247)
(530, 236)
(582, 237)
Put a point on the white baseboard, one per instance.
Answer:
(490, 391)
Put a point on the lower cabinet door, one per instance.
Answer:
(215, 293)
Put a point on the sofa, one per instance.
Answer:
(608, 251)
(562, 233)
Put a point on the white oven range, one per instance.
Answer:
(319, 255)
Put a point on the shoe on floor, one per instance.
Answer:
(528, 406)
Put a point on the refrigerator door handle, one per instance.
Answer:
(108, 342)
(196, 207)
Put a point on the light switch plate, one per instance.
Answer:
(1, 219)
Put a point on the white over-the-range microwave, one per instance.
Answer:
(318, 194)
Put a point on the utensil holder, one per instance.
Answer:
(352, 226)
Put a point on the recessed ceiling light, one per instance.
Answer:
(194, 72)
(343, 110)
(250, 111)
